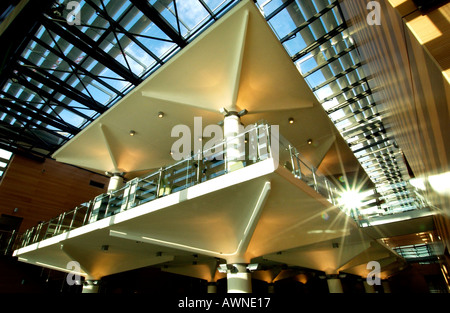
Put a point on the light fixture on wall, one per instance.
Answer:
(132, 133)
(309, 141)
(291, 120)
(160, 114)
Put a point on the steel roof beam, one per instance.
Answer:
(153, 14)
(50, 97)
(61, 87)
(77, 68)
(41, 116)
(83, 42)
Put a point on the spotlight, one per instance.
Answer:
(291, 120)
(309, 141)
(132, 133)
(160, 114)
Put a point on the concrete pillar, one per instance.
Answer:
(334, 284)
(386, 286)
(90, 286)
(212, 287)
(235, 147)
(239, 280)
(369, 288)
(115, 182)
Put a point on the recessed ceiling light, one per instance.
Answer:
(160, 114)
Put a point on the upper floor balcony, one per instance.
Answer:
(256, 144)
(250, 196)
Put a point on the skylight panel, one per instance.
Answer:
(215, 5)
(282, 24)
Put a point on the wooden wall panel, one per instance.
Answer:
(43, 190)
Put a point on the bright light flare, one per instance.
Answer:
(440, 183)
(350, 199)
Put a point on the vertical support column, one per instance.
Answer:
(369, 288)
(386, 286)
(234, 146)
(334, 284)
(239, 280)
(91, 286)
(115, 182)
(212, 287)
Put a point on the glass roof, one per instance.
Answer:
(68, 75)
(80, 60)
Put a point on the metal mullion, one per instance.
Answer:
(25, 126)
(150, 12)
(337, 76)
(112, 30)
(77, 67)
(383, 169)
(361, 140)
(375, 151)
(348, 88)
(61, 87)
(360, 132)
(389, 175)
(124, 31)
(332, 59)
(41, 117)
(391, 159)
(47, 97)
(371, 145)
(353, 113)
(177, 17)
(211, 13)
(361, 127)
(347, 102)
(22, 135)
(279, 9)
(73, 72)
(83, 42)
(319, 42)
(306, 23)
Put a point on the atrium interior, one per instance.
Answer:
(224, 146)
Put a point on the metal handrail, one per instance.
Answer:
(195, 166)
